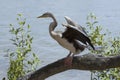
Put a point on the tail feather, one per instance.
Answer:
(92, 46)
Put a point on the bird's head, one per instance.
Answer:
(45, 15)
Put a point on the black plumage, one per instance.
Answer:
(74, 35)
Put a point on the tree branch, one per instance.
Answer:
(84, 62)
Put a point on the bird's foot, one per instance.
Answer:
(68, 61)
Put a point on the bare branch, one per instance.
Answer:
(85, 62)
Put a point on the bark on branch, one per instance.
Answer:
(84, 62)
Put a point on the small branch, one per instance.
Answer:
(84, 62)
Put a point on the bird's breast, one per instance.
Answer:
(66, 44)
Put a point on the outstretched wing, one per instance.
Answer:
(71, 22)
(73, 33)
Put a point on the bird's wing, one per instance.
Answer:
(73, 33)
(83, 29)
(71, 22)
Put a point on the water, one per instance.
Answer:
(107, 11)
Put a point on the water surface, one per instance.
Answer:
(107, 11)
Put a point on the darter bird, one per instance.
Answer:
(73, 39)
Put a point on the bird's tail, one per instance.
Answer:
(92, 46)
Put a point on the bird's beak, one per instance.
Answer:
(40, 17)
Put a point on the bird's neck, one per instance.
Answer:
(52, 25)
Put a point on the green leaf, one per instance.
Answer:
(15, 44)
(22, 23)
(28, 36)
(11, 25)
(29, 26)
(19, 15)
(17, 19)
(31, 40)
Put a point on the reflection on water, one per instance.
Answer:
(45, 47)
